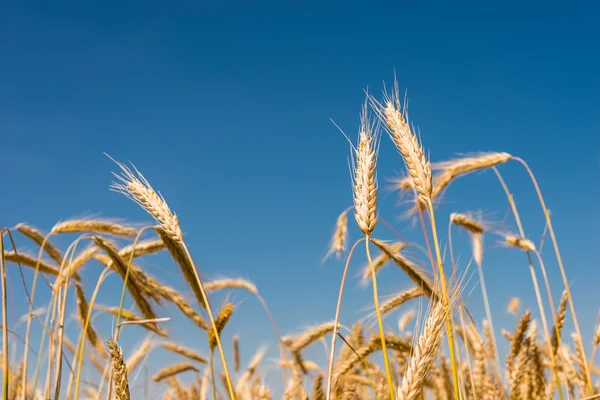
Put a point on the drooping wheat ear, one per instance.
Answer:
(30, 261)
(230, 283)
(364, 176)
(134, 186)
(339, 241)
(521, 243)
(184, 351)
(424, 354)
(178, 254)
(121, 267)
(560, 321)
(318, 392)
(380, 261)
(400, 298)
(513, 305)
(173, 370)
(136, 358)
(517, 341)
(174, 297)
(417, 275)
(96, 226)
(220, 322)
(119, 370)
(579, 359)
(310, 335)
(405, 319)
(142, 249)
(490, 339)
(597, 336)
(407, 143)
(83, 309)
(469, 164)
(38, 238)
(236, 353)
(465, 221)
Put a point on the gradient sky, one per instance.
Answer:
(226, 110)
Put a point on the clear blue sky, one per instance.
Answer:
(226, 109)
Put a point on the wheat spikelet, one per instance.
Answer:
(136, 358)
(230, 283)
(119, 370)
(424, 354)
(517, 340)
(174, 297)
(309, 336)
(134, 186)
(318, 393)
(380, 261)
(173, 370)
(597, 336)
(177, 253)
(399, 299)
(148, 287)
(513, 305)
(405, 319)
(521, 243)
(96, 226)
(183, 351)
(411, 270)
(364, 177)
(407, 143)
(489, 338)
(469, 164)
(338, 242)
(142, 248)
(132, 285)
(220, 323)
(560, 321)
(470, 224)
(29, 261)
(38, 238)
(236, 353)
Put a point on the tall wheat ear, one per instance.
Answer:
(136, 187)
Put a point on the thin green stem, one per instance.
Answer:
(388, 372)
(446, 300)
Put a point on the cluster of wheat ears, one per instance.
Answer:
(416, 365)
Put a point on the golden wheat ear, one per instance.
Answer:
(119, 370)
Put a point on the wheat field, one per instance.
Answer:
(439, 351)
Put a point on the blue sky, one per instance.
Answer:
(226, 109)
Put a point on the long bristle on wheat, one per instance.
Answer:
(136, 187)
